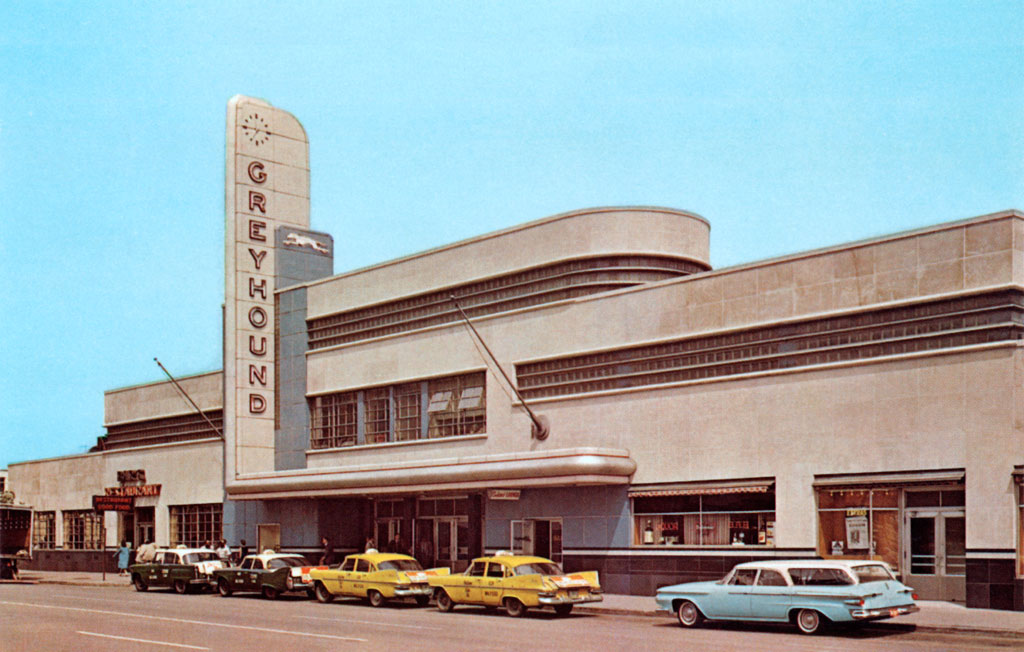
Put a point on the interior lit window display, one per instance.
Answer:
(859, 523)
(712, 518)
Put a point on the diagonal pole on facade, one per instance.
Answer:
(189, 399)
(540, 428)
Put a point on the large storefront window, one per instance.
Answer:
(44, 531)
(192, 525)
(704, 516)
(859, 524)
(83, 530)
(429, 409)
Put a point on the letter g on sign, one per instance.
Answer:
(256, 172)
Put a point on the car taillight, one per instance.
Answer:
(913, 595)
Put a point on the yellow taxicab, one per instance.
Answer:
(376, 576)
(516, 583)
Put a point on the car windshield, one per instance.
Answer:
(281, 562)
(539, 568)
(400, 565)
(196, 557)
(872, 573)
(819, 577)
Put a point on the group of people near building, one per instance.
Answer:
(396, 545)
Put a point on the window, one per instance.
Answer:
(819, 577)
(349, 564)
(1020, 527)
(443, 407)
(860, 523)
(44, 531)
(335, 420)
(770, 578)
(247, 562)
(362, 566)
(191, 525)
(744, 576)
(83, 530)
(456, 406)
(477, 569)
(495, 570)
(695, 517)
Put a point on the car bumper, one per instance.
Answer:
(568, 599)
(883, 612)
(200, 581)
(413, 591)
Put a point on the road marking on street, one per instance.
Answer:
(371, 622)
(143, 640)
(190, 622)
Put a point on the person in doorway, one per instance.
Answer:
(243, 551)
(327, 556)
(123, 555)
(370, 545)
(395, 545)
(425, 551)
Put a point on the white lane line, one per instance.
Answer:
(142, 640)
(370, 622)
(190, 622)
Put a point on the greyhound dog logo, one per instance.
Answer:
(296, 240)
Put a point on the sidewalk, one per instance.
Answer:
(933, 615)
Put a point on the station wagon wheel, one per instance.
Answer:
(444, 601)
(563, 609)
(180, 587)
(139, 584)
(322, 594)
(270, 593)
(514, 607)
(376, 599)
(223, 587)
(809, 621)
(688, 614)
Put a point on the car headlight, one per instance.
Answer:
(289, 582)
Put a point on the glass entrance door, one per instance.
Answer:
(451, 541)
(935, 553)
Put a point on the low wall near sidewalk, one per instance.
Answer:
(72, 560)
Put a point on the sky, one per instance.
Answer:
(788, 125)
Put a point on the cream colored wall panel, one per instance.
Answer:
(160, 399)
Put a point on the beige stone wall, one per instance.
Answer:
(589, 232)
(189, 474)
(903, 413)
(162, 399)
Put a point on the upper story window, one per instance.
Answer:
(427, 409)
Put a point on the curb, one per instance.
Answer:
(611, 611)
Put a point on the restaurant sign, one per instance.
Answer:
(141, 490)
(503, 494)
(113, 503)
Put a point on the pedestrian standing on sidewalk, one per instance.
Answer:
(122, 556)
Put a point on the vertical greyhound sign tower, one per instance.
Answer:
(267, 186)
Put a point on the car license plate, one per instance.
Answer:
(893, 613)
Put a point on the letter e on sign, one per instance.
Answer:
(256, 230)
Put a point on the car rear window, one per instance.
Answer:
(539, 568)
(401, 565)
(819, 577)
(196, 557)
(281, 562)
(872, 573)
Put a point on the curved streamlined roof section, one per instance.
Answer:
(559, 467)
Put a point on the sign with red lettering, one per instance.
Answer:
(141, 490)
(110, 503)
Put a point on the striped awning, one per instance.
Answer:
(701, 489)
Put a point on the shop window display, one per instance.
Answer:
(859, 524)
(705, 519)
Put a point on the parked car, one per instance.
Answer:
(809, 593)
(376, 576)
(182, 569)
(270, 574)
(516, 583)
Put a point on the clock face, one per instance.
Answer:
(255, 128)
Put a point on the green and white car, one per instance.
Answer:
(182, 569)
(270, 574)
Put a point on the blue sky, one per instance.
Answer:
(788, 125)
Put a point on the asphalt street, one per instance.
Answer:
(48, 617)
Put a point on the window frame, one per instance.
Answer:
(202, 521)
(649, 526)
(83, 529)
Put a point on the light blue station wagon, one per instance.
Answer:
(809, 593)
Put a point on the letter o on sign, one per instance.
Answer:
(257, 317)
(256, 172)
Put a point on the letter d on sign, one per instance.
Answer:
(257, 404)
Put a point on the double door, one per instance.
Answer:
(451, 542)
(935, 553)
